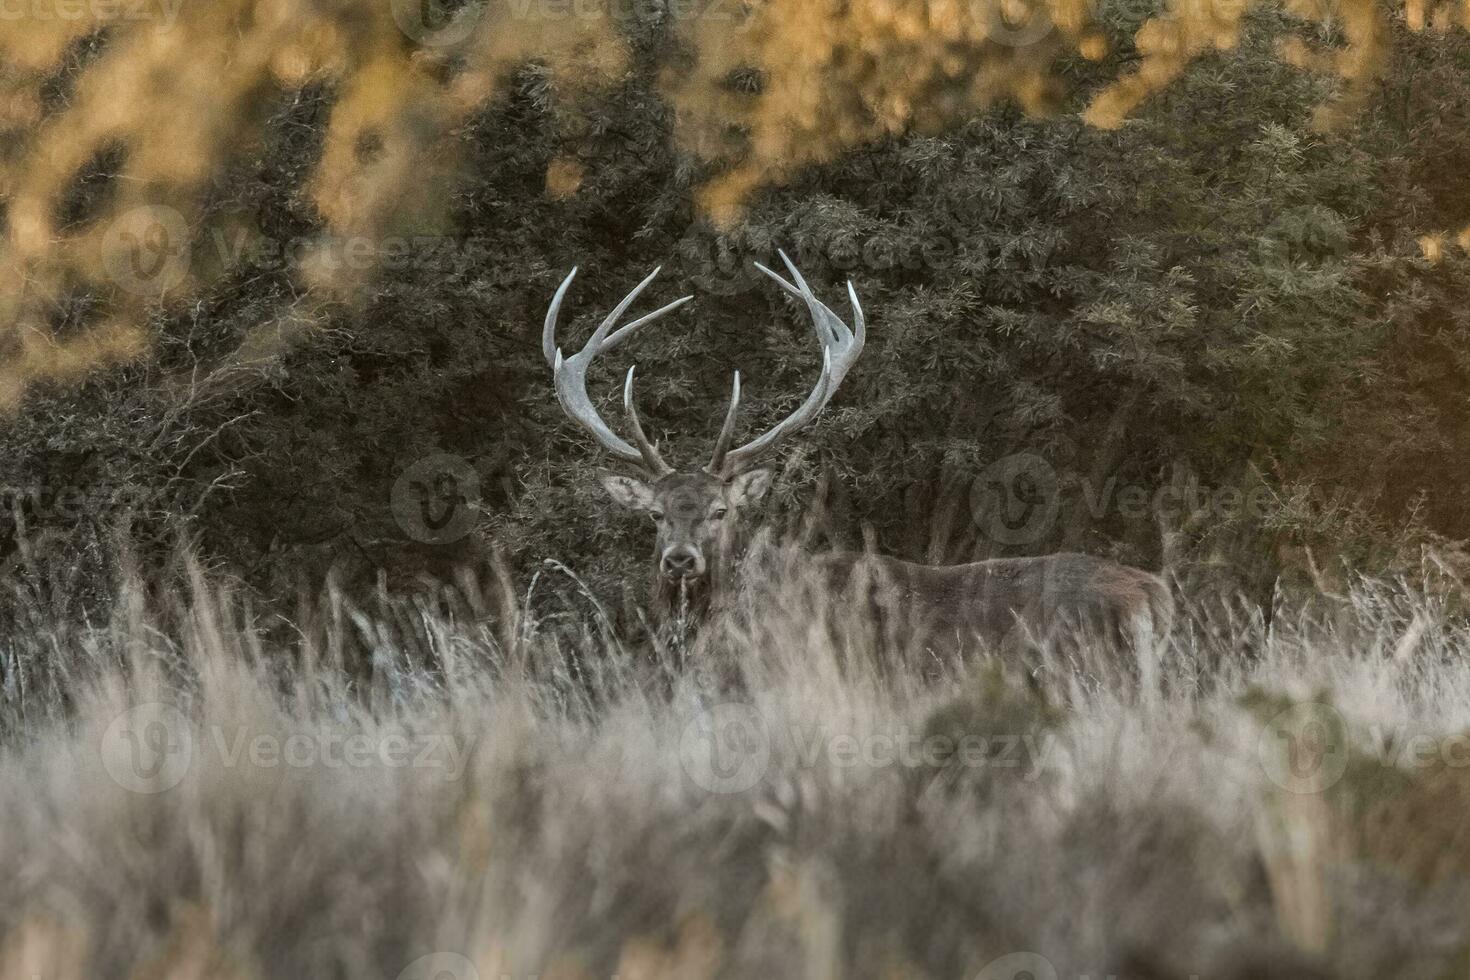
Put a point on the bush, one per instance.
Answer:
(1214, 291)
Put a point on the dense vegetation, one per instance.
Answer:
(1185, 282)
(1215, 291)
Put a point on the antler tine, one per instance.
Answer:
(739, 459)
(805, 291)
(822, 314)
(822, 322)
(848, 340)
(841, 346)
(625, 332)
(570, 373)
(652, 461)
(548, 329)
(828, 326)
(611, 320)
(727, 431)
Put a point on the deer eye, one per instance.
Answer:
(719, 514)
(657, 515)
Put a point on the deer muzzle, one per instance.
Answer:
(681, 562)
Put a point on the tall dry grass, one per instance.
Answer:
(381, 787)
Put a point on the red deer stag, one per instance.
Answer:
(699, 531)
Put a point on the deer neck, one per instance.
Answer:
(695, 601)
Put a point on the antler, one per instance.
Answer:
(570, 375)
(841, 346)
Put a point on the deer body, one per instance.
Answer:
(1003, 603)
(997, 603)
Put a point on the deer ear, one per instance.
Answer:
(632, 494)
(749, 487)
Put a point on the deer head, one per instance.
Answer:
(697, 513)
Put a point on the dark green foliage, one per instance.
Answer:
(1211, 289)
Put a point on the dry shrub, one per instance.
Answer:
(831, 76)
(173, 100)
(797, 82)
(122, 131)
(1190, 29)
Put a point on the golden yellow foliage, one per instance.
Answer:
(1191, 28)
(791, 83)
(1439, 17)
(1186, 30)
(564, 177)
(833, 75)
(180, 94)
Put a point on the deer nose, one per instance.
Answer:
(682, 563)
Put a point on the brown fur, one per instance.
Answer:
(687, 505)
(1007, 605)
